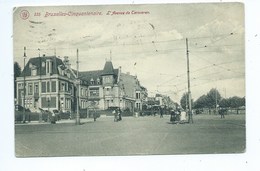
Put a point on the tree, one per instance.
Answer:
(185, 101)
(232, 102)
(17, 73)
(236, 102)
(201, 102)
(213, 96)
(224, 103)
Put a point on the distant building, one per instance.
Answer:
(161, 101)
(50, 83)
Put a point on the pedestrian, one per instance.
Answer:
(222, 113)
(53, 118)
(178, 113)
(182, 116)
(161, 113)
(173, 116)
(119, 115)
(115, 115)
(94, 116)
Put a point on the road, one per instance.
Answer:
(132, 136)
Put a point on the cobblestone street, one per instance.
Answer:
(132, 136)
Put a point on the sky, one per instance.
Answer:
(146, 40)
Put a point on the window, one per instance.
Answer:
(92, 81)
(98, 81)
(137, 95)
(48, 86)
(43, 87)
(94, 92)
(82, 92)
(48, 67)
(62, 86)
(66, 86)
(34, 72)
(30, 89)
(36, 88)
(20, 85)
(106, 79)
(53, 86)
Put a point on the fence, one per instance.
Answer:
(213, 111)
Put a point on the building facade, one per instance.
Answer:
(48, 83)
(51, 84)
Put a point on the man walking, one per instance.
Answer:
(222, 113)
(161, 113)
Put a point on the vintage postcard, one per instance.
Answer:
(117, 80)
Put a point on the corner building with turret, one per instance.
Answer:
(51, 84)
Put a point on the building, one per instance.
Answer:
(51, 83)
(48, 85)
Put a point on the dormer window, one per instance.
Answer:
(92, 81)
(33, 70)
(98, 81)
(49, 65)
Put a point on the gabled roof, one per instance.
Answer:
(108, 68)
(88, 75)
(95, 75)
(39, 63)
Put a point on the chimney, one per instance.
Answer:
(119, 73)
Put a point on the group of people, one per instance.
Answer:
(178, 116)
(117, 115)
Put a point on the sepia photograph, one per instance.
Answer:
(133, 79)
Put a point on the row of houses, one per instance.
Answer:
(51, 84)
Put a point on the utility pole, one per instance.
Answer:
(110, 55)
(186, 99)
(78, 92)
(40, 83)
(24, 56)
(188, 77)
(39, 52)
(216, 98)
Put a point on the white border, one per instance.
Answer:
(246, 161)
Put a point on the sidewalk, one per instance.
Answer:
(82, 120)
